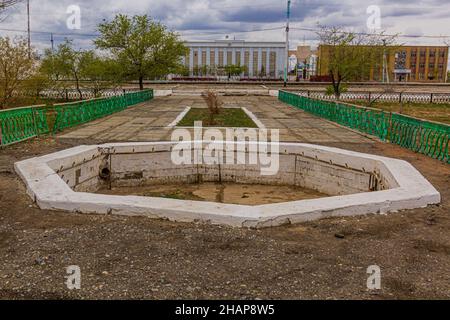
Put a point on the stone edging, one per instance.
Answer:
(409, 190)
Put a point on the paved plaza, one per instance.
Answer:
(149, 122)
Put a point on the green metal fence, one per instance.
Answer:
(429, 138)
(24, 123)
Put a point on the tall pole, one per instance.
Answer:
(29, 29)
(286, 68)
(385, 64)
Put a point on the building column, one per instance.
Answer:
(233, 57)
(250, 63)
(268, 61)
(216, 56)
(191, 61)
(225, 57)
(208, 56)
(242, 50)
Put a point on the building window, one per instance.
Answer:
(255, 63)
(220, 58)
(264, 63)
(229, 58)
(212, 57)
(247, 62)
(400, 60)
(423, 53)
(273, 64)
(238, 58)
(195, 58)
(203, 58)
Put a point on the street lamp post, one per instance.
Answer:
(286, 69)
(29, 29)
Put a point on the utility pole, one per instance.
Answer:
(385, 64)
(29, 30)
(383, 78)
(52, 41)
(286, 69)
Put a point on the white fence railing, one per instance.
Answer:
(72, 94)
(405, 97)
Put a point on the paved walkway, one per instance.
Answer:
(149, 122)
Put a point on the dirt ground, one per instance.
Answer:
(231, 193)
(139, 258)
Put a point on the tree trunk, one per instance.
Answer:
(141, 83)
(77, 84)
(338, 90)
(335, 86)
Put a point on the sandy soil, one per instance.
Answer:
(140, 258)
(232, 193)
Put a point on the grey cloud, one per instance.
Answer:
(201, 18)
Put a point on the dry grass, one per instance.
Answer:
(428, 111)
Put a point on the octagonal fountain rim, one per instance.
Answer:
(408, 189)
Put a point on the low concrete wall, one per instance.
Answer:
(132, 169)
(398, 185)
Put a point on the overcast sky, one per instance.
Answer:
(214, 19)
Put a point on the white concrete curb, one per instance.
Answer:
(179, 118)
(255, 119)
(274, 93)
(162, 93)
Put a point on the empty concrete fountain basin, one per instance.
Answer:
(357, 183)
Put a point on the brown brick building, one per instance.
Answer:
(406, 63)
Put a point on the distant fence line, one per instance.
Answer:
(399, 97)
(429, 138)
(73, 94)
(20, 124)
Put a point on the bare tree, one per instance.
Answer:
(214, 104)
(5, 4)
(15, 68)
(350, 56)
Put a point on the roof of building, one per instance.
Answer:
(234, 43)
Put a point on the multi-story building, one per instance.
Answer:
(261, 59)
(306, 60)
(405, 63)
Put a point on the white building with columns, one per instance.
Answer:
(262, 59)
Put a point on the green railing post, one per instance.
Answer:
(426, 137)
(24, 123)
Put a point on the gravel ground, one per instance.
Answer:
(139, 258)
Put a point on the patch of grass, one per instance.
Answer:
(31, 101)
(427, 111)
(236, 118)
